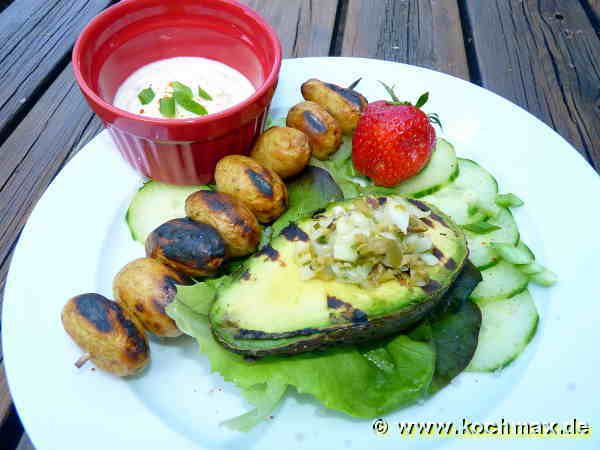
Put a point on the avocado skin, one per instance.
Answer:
(314, 339)
(355, 333)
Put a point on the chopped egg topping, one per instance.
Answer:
(368, 242)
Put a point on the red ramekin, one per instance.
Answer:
(133, 33)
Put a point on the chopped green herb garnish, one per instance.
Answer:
(189, 104)
(479, 207)
(146, 96)
(473, 209)
(166, 106)
(481, 227)
(508, 200)
(182, 89)
(322, 240)
(202, 93)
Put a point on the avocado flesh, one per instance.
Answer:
(271, 309)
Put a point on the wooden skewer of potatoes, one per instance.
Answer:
(219, 225)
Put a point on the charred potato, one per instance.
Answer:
(261, 189)
(236, 224)
(284, 150)
(344, 104)
(111, 337)
(323, 131)
(145, 287)
(192, 248)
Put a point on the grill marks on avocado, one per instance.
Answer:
(245, 275)
(342, 312)
(422, 206)
(269, 252)
(450, 264)
(262, 335)
(438, 218)
(427, 221)
(437, 252)
(294, 233)
(431, 287)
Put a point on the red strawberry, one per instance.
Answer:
(393, 140)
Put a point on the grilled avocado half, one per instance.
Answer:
(361, 269)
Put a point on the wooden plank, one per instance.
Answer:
(37, 149)
(544, 56)
(594, 6)
(425, 33)
(305, 27)
(35, 39)
(5, 400)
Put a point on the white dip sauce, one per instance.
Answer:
(225, 85)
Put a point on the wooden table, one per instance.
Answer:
(543, 55)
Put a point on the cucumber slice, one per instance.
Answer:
(480, 251)
(155, 203)
(544, 278)
(525, 249)
(474, 185)
(519, 254)
(500, 281)
(507, 326)
(441, 170)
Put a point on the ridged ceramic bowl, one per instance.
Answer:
(134, 33)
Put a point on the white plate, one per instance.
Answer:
(76, 240)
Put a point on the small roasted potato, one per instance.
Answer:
(236, 224)
(284, 150)
(323, 131)
(145, 287)
(344, 104)
(191, 248)
(261, 189)
(112, 337)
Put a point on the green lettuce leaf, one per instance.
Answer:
(344, 379)
(266, 398)
(377, 377)
(455, 334)
(340, 166)
(455, 327)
